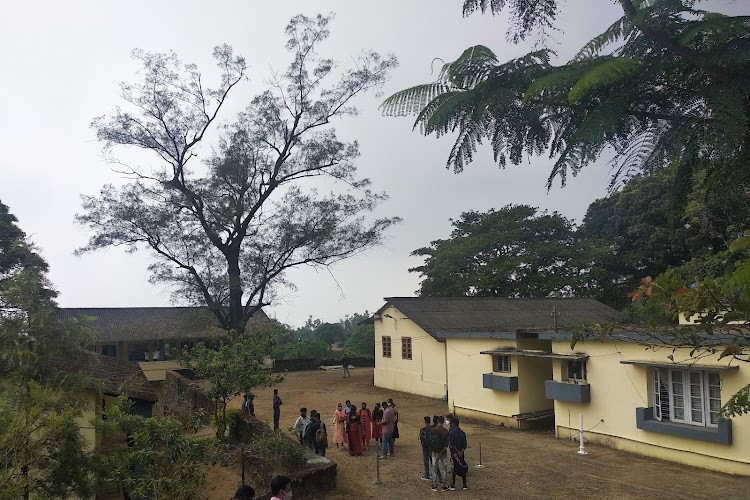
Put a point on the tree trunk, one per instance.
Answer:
(236, 322)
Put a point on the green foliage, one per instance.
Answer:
(361, 342)
(232, 367)
(512, 252)
(226, 235)
(662, 85)
(274, 452)
(42, 452)
(317, 349)
(149, 457)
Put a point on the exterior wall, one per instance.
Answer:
(424, 374)
(88, 416)
(466, 394)
(617, 390)
(156, 371)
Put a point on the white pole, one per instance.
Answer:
(581, 449)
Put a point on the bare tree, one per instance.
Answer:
(224, 233)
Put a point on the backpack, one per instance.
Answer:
(434, 441)
(321, 438)
(423, 436)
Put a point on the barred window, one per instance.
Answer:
(386, 347)
(405, 347)
(502, 363)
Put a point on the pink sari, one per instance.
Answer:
(339, 418)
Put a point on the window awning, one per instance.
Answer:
(535, 354)
(684, 366)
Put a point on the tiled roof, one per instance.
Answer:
(109, 375)
(113, 324)
(478, 314)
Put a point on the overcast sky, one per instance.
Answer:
(61, 63)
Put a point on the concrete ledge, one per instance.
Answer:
(499, 382)
(645, 420)
(566, 391)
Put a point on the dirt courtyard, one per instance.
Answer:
(517, 464)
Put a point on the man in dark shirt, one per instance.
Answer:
(440, 458)
(276, 409)
(457, 447)
(426, 454)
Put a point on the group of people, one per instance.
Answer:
(353, 428)
(281, 489)
(438, 444)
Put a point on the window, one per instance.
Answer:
(575, 370)
(688, 397)
(502, 363)
(386, 347)
(405, 347)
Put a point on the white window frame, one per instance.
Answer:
(685, 396)
(502, 363)
(570, 377)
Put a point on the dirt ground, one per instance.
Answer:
(517, 464)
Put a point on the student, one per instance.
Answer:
(354, 431)
(318, 435)
(339, 420)
(276, 409)
(345, 366)
(281, 488)
(394, 435)
(251, 405)
(426, 454)
(377, 418)
(308, 437)
(440, 458)
(245, 407)
(457, 439)
(300, 423)
(365, 419)
(244, 492)
(388, 422)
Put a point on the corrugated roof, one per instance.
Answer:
(479, 314)
(109, 375)
(113, 324)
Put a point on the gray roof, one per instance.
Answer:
(144, 324)
(450, 316)
(109, 375)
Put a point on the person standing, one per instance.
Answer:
(354, 431)
(345, 366)
(276, 409)
(281, 488)
(440, 458)
(426, 453)
(388, 422)
(318, 435)
(365, 419)
(377, 419)
(394, 435)
(245, 407)
(339, 420)
(300, 423)
(308, 436)
(251, 405)
(244, 492)
(458, 444)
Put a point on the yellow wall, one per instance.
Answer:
(88, 417)
(156, 371)
(423, 374)
(617, 390)
(466, 394)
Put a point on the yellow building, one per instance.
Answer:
(106, 379)
(510, 362)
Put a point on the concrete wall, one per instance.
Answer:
(424, 374)
(313, 363)
(617, 390)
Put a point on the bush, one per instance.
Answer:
(272, 451)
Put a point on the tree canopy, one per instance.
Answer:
(225, 233)
(662, 85)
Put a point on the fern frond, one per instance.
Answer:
(412, 100)
(608, 71)
(620, 30)
(559, 79)
(474, 65)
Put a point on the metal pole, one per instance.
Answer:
(377, 466)
(479, 466)
(581, 449)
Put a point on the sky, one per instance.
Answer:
(61, 64)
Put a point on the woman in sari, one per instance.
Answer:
(365, 419)
(354, 431)
(377, 417)
(339, 421)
